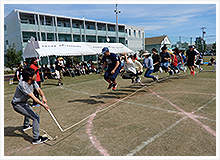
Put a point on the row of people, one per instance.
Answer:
(172, 62)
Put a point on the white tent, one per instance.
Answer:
(45, 48)
(50, 48)
(113, 47)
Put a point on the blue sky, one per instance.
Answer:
(174, 20)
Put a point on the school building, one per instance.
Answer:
(20, 25)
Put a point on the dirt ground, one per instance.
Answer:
(174, 117)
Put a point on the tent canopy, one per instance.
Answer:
(45, 48)
(113, 47)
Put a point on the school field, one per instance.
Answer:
(173, 117)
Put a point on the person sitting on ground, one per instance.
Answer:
(93, 67)
(83, 68)
(77, 69)
(148, 64)
(23, 92)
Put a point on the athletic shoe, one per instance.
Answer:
(39, 140)
(171, 72)
(185, 70)
(110, 85)
(193, 72)
(26, 127)
(138, 80)
(114, 87)
(160, 69)
(201, 70)
(59, 84)
(156, 78)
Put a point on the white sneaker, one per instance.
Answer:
(39, 140)
(160, 69)
(26, 128)
(201, 70)
(138, 80)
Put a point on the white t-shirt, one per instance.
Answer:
(130, 66)
(138, 65)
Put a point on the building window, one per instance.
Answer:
(5, 30)
(60, 24)
(139, 34)
(129, 32)
(134, 33)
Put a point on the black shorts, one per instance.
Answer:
(190, 63)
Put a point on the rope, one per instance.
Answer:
(48, 136)
(144, 86)
(108, 106)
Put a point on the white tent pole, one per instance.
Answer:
(82, 57)
(48, 60)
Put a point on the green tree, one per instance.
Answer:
(13, 58)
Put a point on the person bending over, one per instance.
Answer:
(23, 92)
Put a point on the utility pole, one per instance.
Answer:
(116, 11)
(202, 40)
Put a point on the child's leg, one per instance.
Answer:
(25, 109)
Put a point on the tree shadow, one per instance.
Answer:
(10, 132)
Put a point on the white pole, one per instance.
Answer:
(55, 120)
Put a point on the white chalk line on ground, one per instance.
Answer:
(91, 137)
(145, 143)
(188, 114)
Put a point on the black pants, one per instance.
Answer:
(128, 75)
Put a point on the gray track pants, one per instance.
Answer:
(26, 110)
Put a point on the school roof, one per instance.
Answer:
(49, 48)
